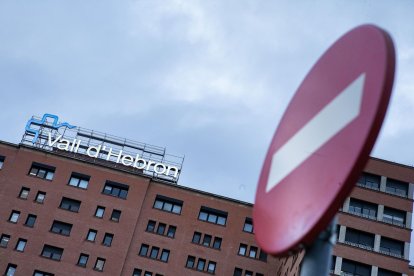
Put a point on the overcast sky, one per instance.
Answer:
(206, 79)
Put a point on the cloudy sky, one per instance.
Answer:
(208, 79)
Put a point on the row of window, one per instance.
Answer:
(392, 186)
(350, 268)
(60, 227)
(11, 271)
(366, 241)
(79, 180)
(153, 252)
(252, 252)
(206, 214)
(69, 204)
(160, 228)
(55, 253)
(201, 264)
(239, 272)
(140, 272)
(370, 210)
(207, 240)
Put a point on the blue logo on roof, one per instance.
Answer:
(43, 121)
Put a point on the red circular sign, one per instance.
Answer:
(324, 140)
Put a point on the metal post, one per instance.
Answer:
(316, 261)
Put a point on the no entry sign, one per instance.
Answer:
(323, 140)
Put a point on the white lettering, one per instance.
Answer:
(139, 161)
(160, 165)
(95, 154)
(172, 168)
(127, 160)
(50, 143)
(118, 156)
(63, 144)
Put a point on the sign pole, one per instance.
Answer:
(317, 257)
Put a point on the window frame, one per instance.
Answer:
(53, 251)
(23, 191)
(30, 220)
(115, 189)
(20, 245)
(168, 204)
(79, 178)
(82, 256)
(42, 171)
(91, 232)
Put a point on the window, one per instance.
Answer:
(42, 171)
(42, 273)
(52, 252)
(40, 197)
(168, 204)
(154, 252)
(147, 273)
(200, 265)
(30, 221)
(190, 262)
(396, 187)
(100, 263)
(161, 228)
(237, 272)
(164, 255)
(384, 272)
(1, 162)
(151, 226)
(61, 228)
(248, 273)
(10, 270)
(248, 225)
(20, 245)
(363, 208)
(107, 241)
(368, 180)
(144, 250)
(79, 180)
(24, 193)
(217, 243)
(355, 268)
(263, 256)
(392, 247)
(14, 216)
(171, 231)
(394, 216)
(207, 240)
(116, 189)
(242, 249)
(70, 204)
(99, 213)
(91, 235)
(83, 259)
(137, 272)
(211, 268)
(4, 241)
(253, 252)
(196, 237)
(213, 216)
(116, 215)
(359, 238)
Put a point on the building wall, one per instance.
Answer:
(130, 233)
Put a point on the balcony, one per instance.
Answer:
(396, 191)
(394, 221)
(362, 246)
